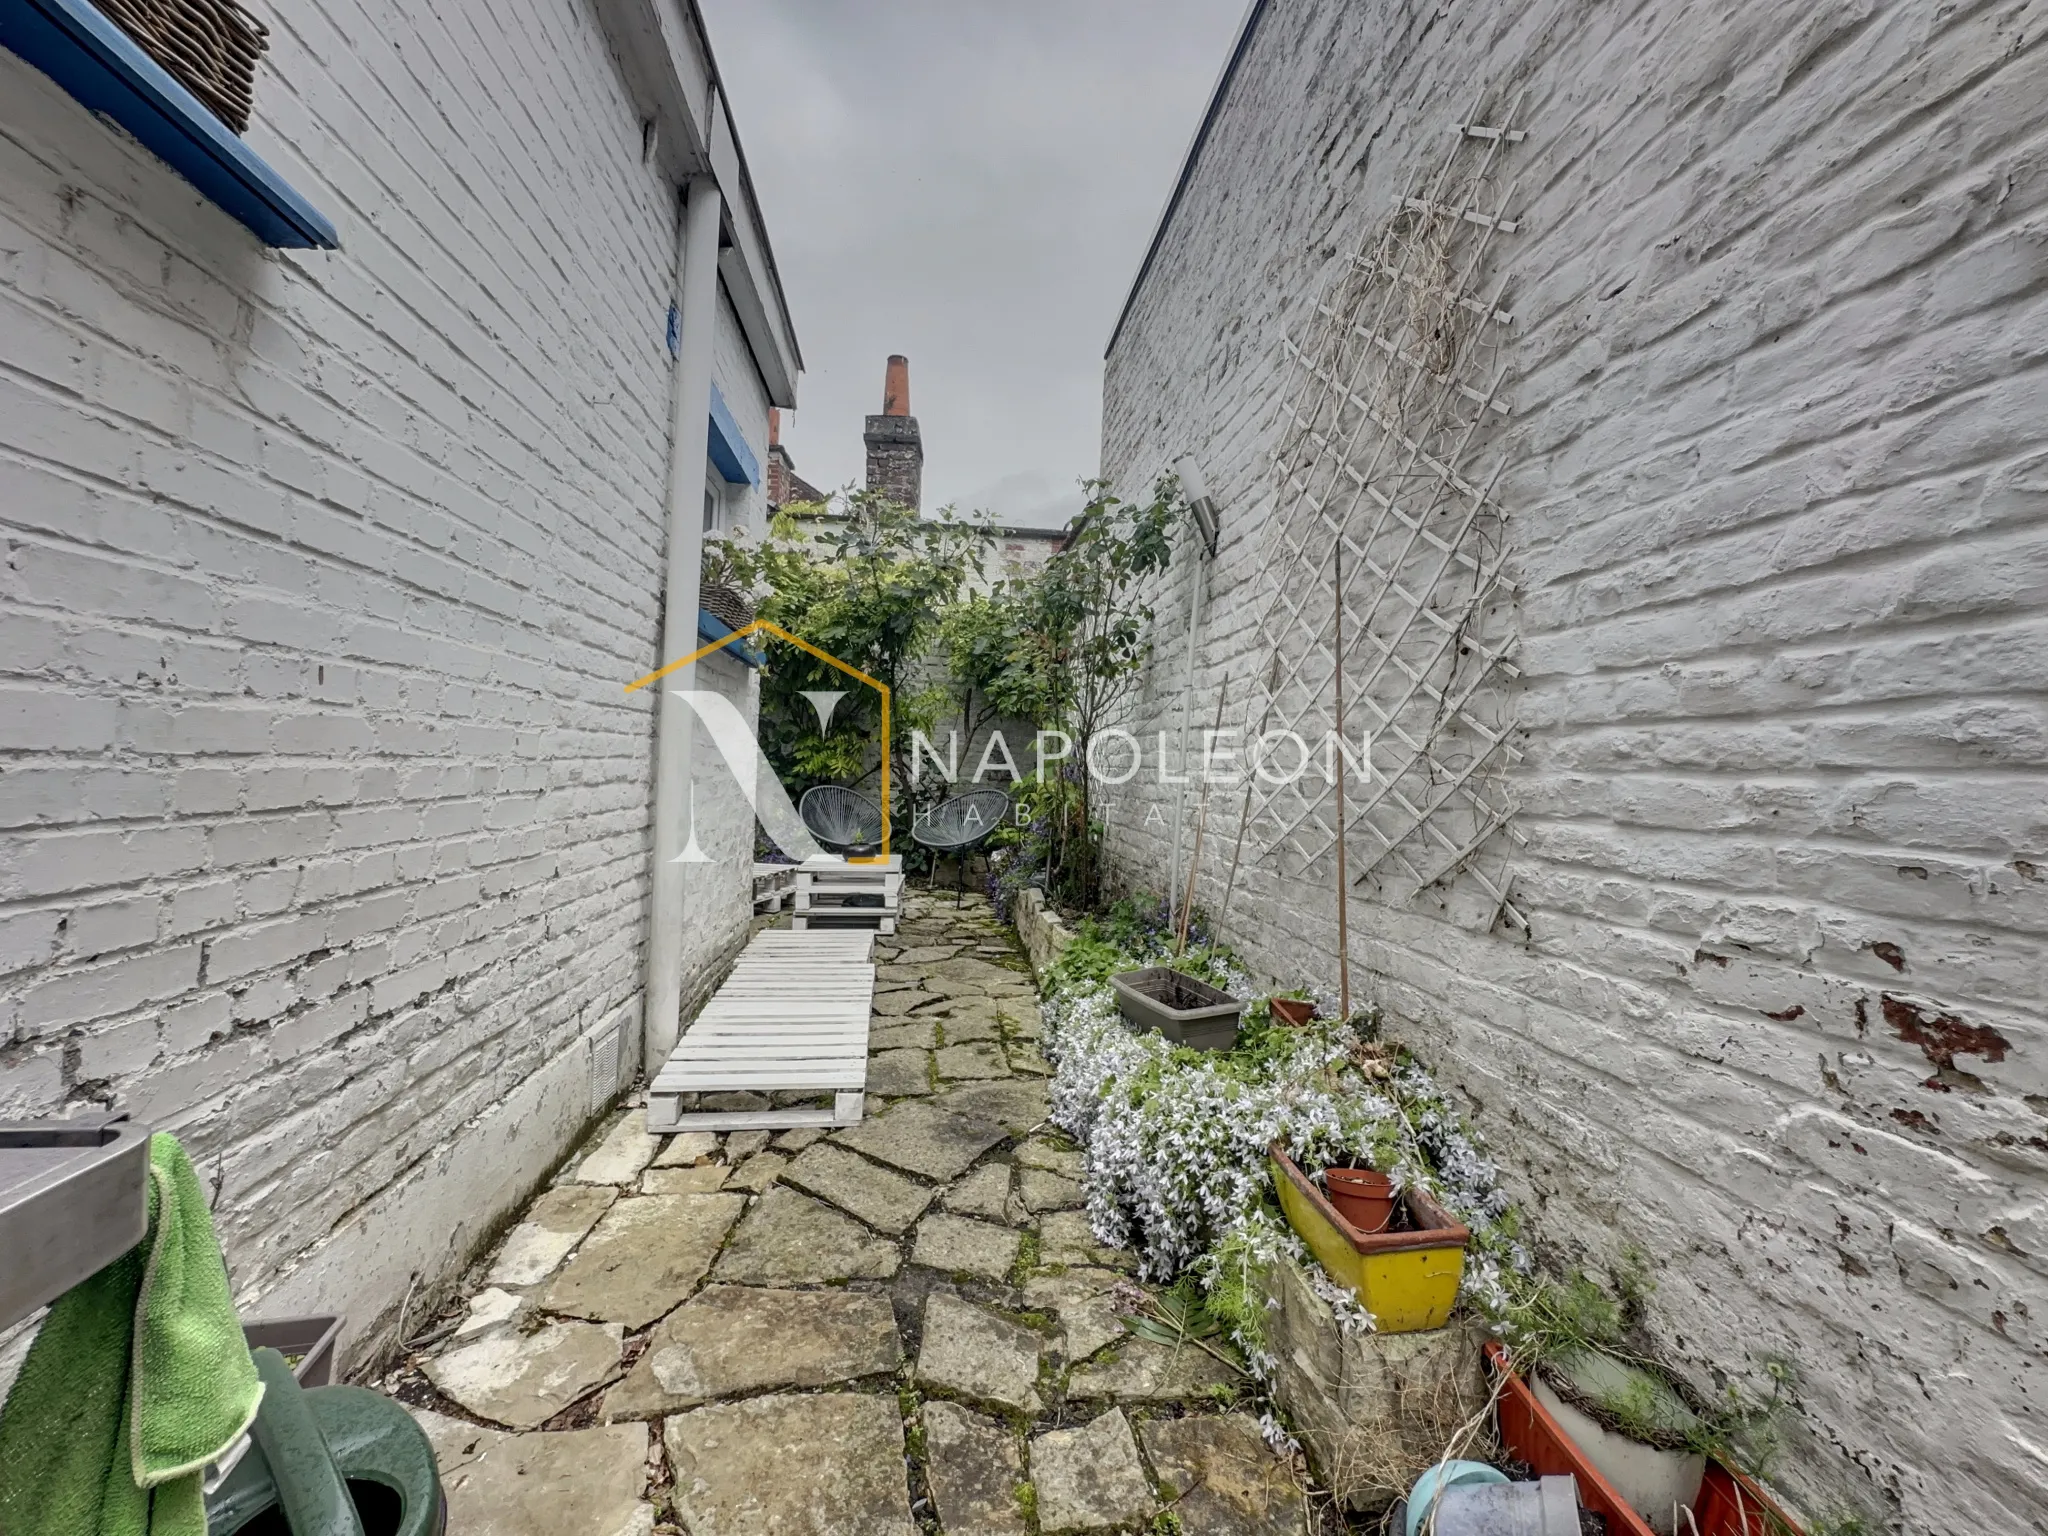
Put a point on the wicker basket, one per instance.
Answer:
(208, 46)
(726, 603)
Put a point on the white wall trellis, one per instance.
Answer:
(1389, 453)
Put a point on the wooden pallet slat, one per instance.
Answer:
(792, 1017)
(779, 1119)
(831, 922)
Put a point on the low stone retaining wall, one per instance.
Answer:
(1373, 1410)
(1039, 926)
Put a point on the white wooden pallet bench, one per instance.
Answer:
(833, 894)
(774, 884)
(791, 1018)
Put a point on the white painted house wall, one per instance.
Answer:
(1777, 509)
(325, 808)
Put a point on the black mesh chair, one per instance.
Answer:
(956, 825)
(842, 819)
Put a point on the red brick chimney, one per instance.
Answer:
(778, 461)
(785, 485)
(895, 450)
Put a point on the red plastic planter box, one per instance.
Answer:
(1730, 1504)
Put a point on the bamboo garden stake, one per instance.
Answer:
(1343, 922)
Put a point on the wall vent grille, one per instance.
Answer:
(604, 1068)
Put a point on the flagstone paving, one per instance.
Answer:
(554, 1225)
(523, 1380)
(1223, 1479)
(903, 1328)
(643, 1258)
(974, 1465)
(509, 1485)
(1090, 1479)
(970, 1352)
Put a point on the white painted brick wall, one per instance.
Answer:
(1777, 506)
(323, 809)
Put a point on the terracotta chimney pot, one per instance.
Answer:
(896, 387)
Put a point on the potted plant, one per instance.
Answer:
(1585, 1397)
(1726, 1503)
(1632, 1426)
(1407, 1278)
(1293, 1009)
(721, 589)
(1183, 1008)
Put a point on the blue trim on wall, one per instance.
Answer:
(710, 627)
(728, 449)
(102, 67)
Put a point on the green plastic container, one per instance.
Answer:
(329, 1461)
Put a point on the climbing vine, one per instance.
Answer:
(872, 587)
(1066, 649)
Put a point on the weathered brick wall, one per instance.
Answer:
(325, 811)
(895, 464)
(1776, 506)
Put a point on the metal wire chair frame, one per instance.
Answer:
(959, 846)
(820, 795)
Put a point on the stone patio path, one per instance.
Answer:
(902, 1327)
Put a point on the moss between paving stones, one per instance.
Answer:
(957, 1143)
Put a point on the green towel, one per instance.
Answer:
(139, 1378)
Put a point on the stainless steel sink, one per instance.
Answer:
(72, 1200)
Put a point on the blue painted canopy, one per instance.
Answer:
(728, 449)
(100, 65)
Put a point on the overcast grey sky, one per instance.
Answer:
(970, 183)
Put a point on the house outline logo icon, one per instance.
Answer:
(768, 626)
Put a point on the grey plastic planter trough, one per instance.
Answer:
(1186, 1010)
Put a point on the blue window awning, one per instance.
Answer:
(100, 65)
(727, 448)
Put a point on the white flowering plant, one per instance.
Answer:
(1176, 1163)
(1176, 1140)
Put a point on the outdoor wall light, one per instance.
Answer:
(1200, 502)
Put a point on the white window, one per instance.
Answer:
(715, 494)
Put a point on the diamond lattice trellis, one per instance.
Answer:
(1387, 459)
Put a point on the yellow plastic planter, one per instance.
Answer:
(1408, 1281)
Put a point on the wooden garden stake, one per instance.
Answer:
(1343, 920)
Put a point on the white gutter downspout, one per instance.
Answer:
(1194, 488)
(1197, 580)
(696, 297)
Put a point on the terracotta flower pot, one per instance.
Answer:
(1294, 1011)
(1366, 1199)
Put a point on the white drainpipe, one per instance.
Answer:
(697, 308)
(1195, 489)
(1197, 580)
